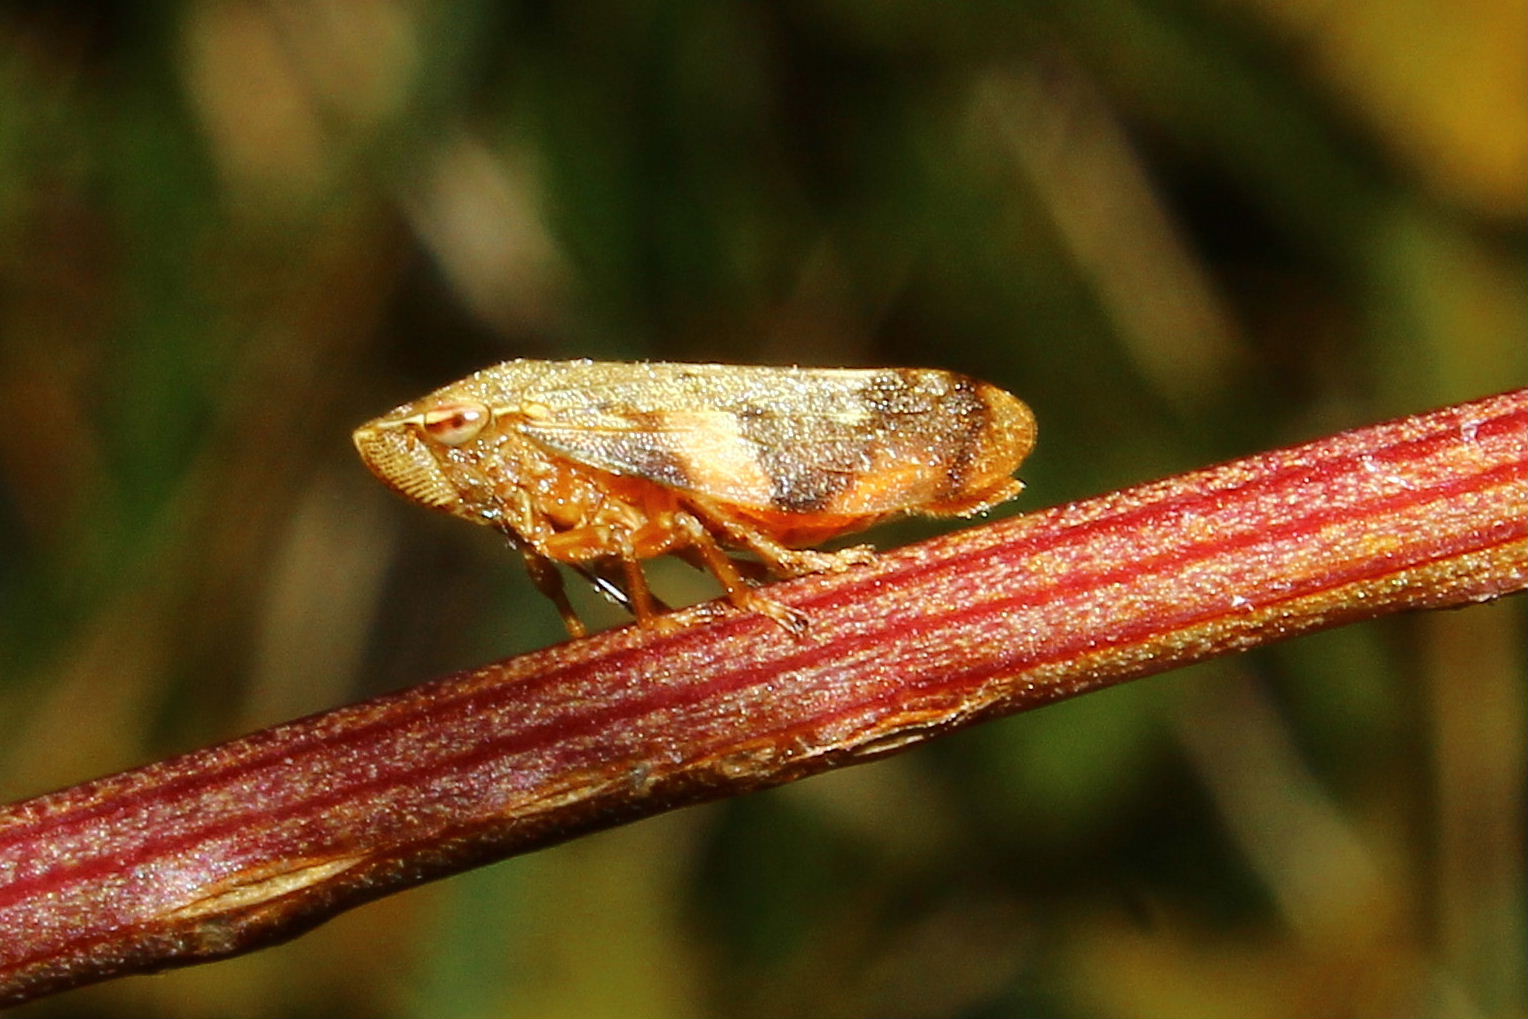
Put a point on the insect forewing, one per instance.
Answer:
(773, 439)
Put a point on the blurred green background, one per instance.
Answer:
(1183, 230)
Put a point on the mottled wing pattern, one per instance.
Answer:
(778, 439)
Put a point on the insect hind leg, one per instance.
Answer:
(783, 560)
(726, 571)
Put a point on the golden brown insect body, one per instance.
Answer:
(603, 464)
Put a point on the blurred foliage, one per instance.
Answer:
(1182, 229)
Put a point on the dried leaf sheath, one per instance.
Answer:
(237, 845)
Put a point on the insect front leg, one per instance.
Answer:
(548, 580)
(528, 531)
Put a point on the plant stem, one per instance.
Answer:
(239, 845)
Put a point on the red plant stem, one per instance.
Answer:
(253, 841)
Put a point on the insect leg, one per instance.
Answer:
(737, 588)
(526, 531)
(549, 582)
(613, 587)
(642, 603)
(753, 572)
(785, 561)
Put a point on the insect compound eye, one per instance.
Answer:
(452, 424)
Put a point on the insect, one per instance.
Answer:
(601, 465)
